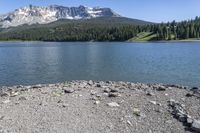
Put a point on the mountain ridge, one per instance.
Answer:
(44, 15)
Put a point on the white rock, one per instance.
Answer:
(196, 125)
(97, 102)
(113, 104)
(153, 102)
(129, 123)
(6, 101)
(13, 94)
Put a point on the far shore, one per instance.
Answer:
(160, 41)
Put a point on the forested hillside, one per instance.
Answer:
(103, 29)
(181, 30)
(98, 29)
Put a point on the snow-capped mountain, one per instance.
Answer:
(43, 15)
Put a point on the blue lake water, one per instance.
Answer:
(50, 62)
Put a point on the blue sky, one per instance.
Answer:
(151, 10)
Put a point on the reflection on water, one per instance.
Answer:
(38, 62)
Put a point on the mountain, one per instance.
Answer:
(44, 15)
(59, 23)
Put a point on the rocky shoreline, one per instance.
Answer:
(100, 107)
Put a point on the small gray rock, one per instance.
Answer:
(114, 90)
(168, 121)
(182, 118)
(37, 86)
(98, 95)
(2, 117)
(189, 95)
(150, 93)
(90, 82)
(20, 86)
(93, 92)
(108, 82)
(60, 101)
(98, 85)
(161, 88)
(136, 111)
(22, 98)
(107, 90)
(114, 95)
(189, 121)
(94, 98)
(4, 95)
(6, 101)
(194, 88)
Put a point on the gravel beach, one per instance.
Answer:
(99, 107)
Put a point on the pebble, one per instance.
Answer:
(129, 123)
(150, 94)
(4, 94)
(28, 87)
(93, 92)
(136, 111)
(6, 101)
(20, 86)
(113, 104)
(161, 88)
(153, 102)
(37, 86)
(107, 90)
(97, 102)
(168, 121)
(195, 88)
(90, 82)
(13, 94)
(189, 121)
(114, 90)
(2, 117)
(108, 82)
(94, 98)
(64, 105)
(114, 95)
(98, 95)
(68, 90)
(189, 95)
(22, 98)
(60, 101)
(182, 99)
(98, 85)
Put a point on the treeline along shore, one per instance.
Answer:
(104, 29)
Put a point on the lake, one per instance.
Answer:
(51, 62)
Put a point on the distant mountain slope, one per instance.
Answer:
(43, 15)
(95, 29)
(99, 20)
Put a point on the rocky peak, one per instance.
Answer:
(42, 15)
